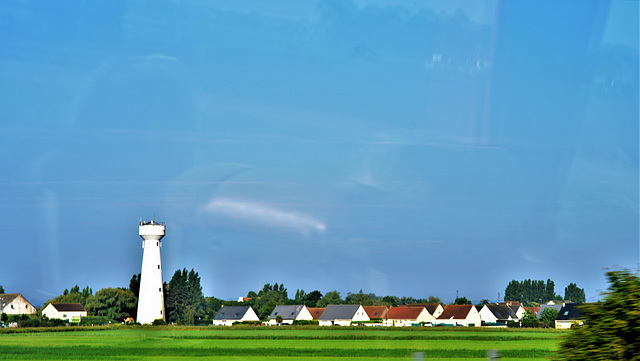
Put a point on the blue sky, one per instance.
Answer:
(402, 148)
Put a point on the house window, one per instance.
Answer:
(64, 316)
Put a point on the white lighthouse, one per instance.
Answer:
(151, 297)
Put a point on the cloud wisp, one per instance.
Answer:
(265, 215)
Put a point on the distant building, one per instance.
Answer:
(228, 315)
(64, 311)
(342, 315)
(15, 304)
(408, 316)
(290, 313)
(459, 315)
(569, 315)
(498, 314)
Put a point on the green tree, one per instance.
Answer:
(268, 298)
(574, 294)
(330, 298)
(462, 301)
(433, 299)
(529, 319)
(184, 301)
(361, 298)
(392, 301)
(134, 284)
(1, 289)
(212, 306)
(311, 299)
(74, 296)
(612, 326)
(549, 315)
(113, 303)
(483, 302)
(530, 292)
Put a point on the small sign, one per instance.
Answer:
(75, 319)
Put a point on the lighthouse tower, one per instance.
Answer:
(151, 297)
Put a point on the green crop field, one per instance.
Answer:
(275, 343)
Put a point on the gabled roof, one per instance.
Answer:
(7, 298)
(455, 312)
(404, 313)
(431, 307)
(287, 312)
(68, 307)
(376, 311)
(316, 312)
(502, 311)
(570, 311)
(339, 312)
(231, 312)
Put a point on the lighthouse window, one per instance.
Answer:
(157, 243)
(158, 266)
(159, 289)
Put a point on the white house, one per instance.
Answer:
(65, 311)
(290, 313)
(569, 315)
(227, 315)
(407, 316)
(460, 315)
(497, 314)
(342, 315)
(15, 304)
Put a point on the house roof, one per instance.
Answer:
(376, 311)
(404, 313)
(502, 311)
(287, 312)
(339, 312)
(68, 307)
(316, 312)
(431, 307)
(570, 311)
(533, 309)
(231, 312)
(7, 298)
(456, 312)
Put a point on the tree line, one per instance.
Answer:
(186, 304)
(535, 292)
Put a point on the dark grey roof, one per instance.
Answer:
(68, 307)
(339, 312)
(231, 312)
(570, 311)
(502, 312)
(287, 312)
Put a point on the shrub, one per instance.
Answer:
(159, 322)
(94, 320)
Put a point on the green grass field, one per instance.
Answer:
(276, 343)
